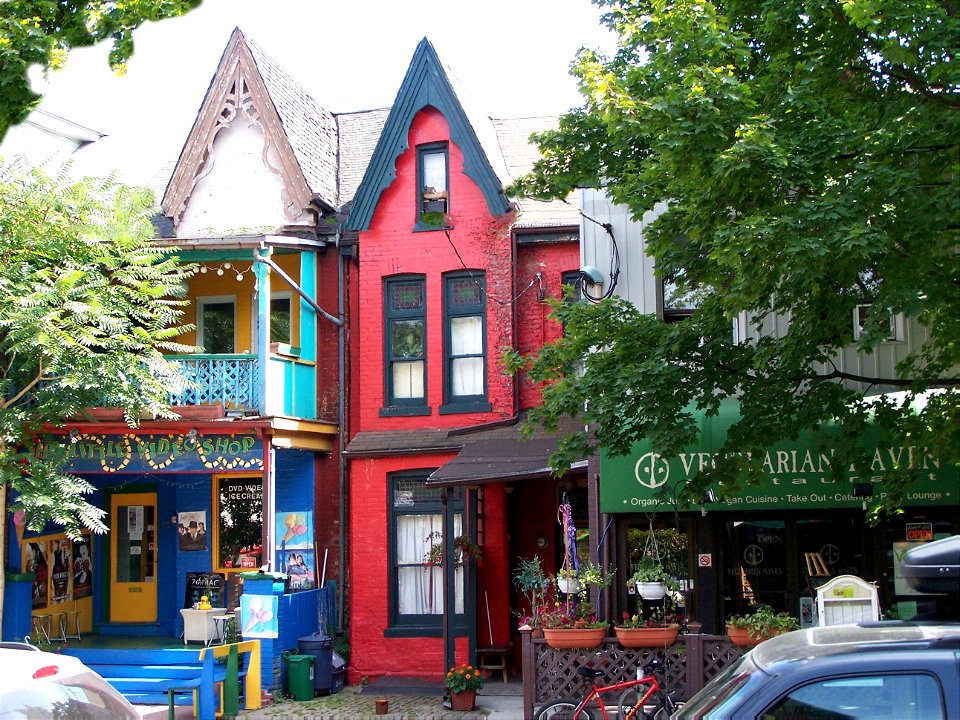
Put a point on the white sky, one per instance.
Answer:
(512, 56)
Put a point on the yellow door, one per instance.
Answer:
(133, 577)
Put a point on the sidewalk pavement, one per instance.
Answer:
(494, 702)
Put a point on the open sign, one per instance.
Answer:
(919, 532)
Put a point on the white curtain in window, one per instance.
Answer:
(466, 338)
(420, 587)
(435, 170)
(408, 379)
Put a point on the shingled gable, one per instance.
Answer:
(425, 84)
(303, 135)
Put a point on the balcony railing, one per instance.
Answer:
(227, 380)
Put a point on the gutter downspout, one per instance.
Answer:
(341, 433)
(266, 260)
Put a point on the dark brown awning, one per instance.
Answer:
(500, 460)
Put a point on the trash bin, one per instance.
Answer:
(320, 646)
(299, 675)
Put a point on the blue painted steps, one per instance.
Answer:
(144, 675)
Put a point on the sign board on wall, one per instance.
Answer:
(209, 584)
(798, 475)
(168, 453)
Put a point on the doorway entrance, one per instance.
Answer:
(133, 586)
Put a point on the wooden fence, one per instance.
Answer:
(688, 665)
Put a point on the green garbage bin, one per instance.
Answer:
(299, 675)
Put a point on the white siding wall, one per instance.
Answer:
(239, 193)
(638, 285)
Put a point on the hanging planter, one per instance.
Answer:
(571, 638)
(651, 590)
(569, 586)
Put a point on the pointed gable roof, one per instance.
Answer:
(303, 135)
(426, 83)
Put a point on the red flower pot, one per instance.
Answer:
(463, 700)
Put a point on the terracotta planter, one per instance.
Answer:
(567, 638)
(651, 590)
(464, 701)
(648, 636)
(744, 638)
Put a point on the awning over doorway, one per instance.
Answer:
(797, 474)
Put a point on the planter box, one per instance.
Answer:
(568, 638)
(744, 638)
(648, 636)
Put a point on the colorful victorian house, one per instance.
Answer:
(445, 274)
(248, 476)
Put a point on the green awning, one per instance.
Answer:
(797, 474)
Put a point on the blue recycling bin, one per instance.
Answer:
(321, 647)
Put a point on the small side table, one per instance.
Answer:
(220, 625)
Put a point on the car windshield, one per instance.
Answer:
(710, 701)
(85, 696)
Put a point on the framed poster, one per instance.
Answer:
(209, 584)
(61, 576)
(82, 569)
(192, 530)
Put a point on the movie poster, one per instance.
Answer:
(192, 527)
(61, 576)
(301, 570)
(35, 561)
(82, 569)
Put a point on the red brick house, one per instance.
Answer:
(446, 273)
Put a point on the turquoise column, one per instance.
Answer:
(262, 273)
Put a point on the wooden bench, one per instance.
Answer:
(182, 677)
(494, 658)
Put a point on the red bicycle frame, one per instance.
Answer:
(596, 691)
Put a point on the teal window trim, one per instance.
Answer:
(424, 501)
(455, 308)
(394, 314)
(431, 211)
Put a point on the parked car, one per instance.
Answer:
(894, 669)
(37, 685)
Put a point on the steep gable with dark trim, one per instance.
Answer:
(425, 84)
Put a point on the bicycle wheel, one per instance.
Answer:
(562, 710)
(626, 709)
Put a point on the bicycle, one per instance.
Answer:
(630, 704)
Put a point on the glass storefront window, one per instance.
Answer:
(239, 519)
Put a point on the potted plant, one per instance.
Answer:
(567, 581)
(651, 580)
(762, 624)
(659, 628)
(533, 582)
(573, 625)
(463, 681)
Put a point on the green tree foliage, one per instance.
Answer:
(43, 31)
(88, 304)
(808, 152)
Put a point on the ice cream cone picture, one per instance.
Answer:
(295, 524)
(20, 523)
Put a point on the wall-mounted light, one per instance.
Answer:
(74, 435)
(190, 442)
(863, 490)
(591, 275)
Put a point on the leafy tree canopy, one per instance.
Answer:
(808, 154)
(43, 31)
(88, 306)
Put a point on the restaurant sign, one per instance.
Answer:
(165, 452)
(797, 474)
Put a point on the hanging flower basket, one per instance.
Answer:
(658, 637)
(569, 638)
(569, 586)
(651, 590)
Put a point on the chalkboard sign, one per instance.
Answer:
(209, 584)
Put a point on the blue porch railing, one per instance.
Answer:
(227, 380)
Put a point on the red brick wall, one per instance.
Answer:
(534, 327)
(372, 654)
(477, 241)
